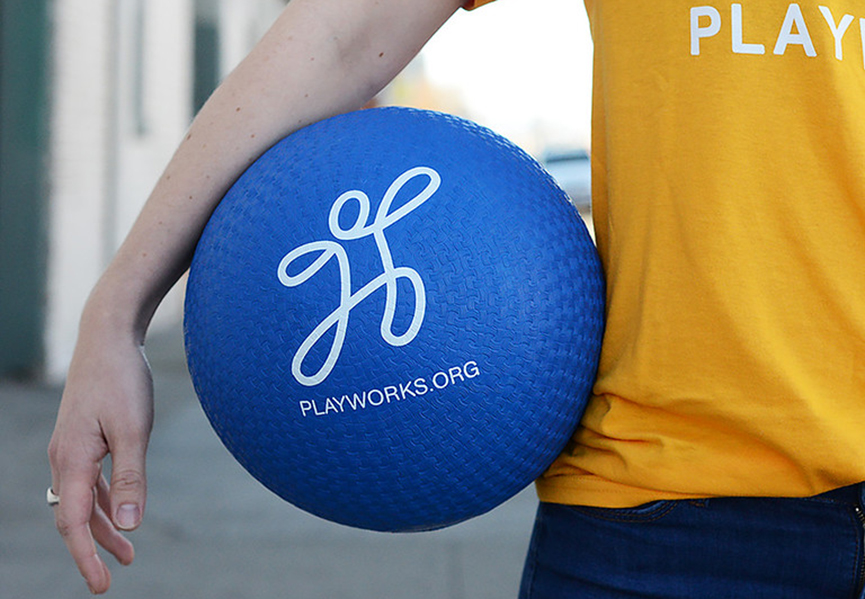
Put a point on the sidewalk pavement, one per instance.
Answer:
(212, 531)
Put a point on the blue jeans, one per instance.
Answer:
(743, 548)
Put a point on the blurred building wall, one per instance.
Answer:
(125, 79)
(120, 96)
(108, 88)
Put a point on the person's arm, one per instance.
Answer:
(320, 58)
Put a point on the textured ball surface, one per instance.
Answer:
(393, 319)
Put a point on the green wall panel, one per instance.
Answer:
(24, 56)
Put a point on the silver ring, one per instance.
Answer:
(51, 497)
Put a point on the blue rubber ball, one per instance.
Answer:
(393, 319)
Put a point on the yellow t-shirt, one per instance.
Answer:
(729, 205)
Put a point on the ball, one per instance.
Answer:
(393, 319)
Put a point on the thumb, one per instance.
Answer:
(128, 488)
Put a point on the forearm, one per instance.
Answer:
(321, 57)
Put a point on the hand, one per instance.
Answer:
(107, 407)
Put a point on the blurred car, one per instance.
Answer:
(572, 170)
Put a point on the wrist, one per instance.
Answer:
(117, 310)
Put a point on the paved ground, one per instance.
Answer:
(242, 541)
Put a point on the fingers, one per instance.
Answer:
(72, 517)
(103, 529)
(82, 515)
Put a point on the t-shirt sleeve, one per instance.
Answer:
(472, 4)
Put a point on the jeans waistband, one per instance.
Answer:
(851, 494)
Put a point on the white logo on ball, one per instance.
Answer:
(388, 279)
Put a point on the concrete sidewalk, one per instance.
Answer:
(211, 531)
